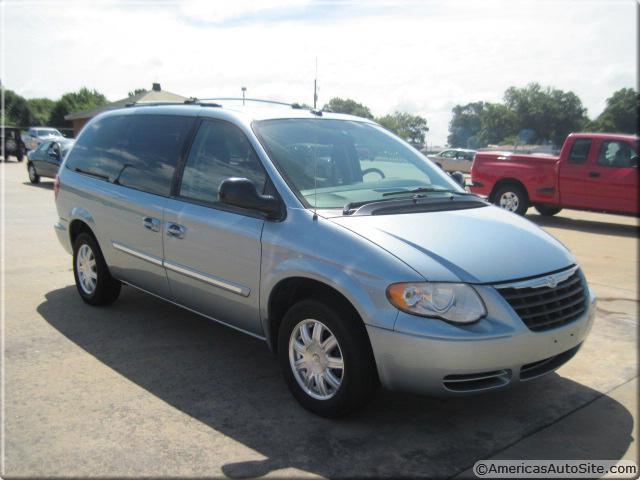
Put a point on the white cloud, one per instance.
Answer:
(420, 57)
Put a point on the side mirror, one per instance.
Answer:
(458, 177)
(241, 192)
(54, 153)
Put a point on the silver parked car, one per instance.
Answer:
(356, 259)
(455, 159)
(36, 135)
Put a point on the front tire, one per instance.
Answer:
(95, 284)
(326, 358)
(513, 198)
(548, 211)
(33, 175)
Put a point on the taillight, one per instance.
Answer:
(56, 187)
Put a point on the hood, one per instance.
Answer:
(478, 245)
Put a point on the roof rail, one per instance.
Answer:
(151, 104)
(240, 99)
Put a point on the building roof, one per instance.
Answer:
(156, 94)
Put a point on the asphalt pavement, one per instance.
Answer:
(143, 388)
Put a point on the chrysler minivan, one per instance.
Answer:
(356, 259)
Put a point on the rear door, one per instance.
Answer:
(613, 176)
(211, 251)
(128, 162)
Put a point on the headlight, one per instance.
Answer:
(454, 302)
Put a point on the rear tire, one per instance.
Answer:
(94, 282)
(321, 389)
(33, 175)
(548, 211)
(512, 197)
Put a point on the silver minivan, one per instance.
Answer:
(357, 260)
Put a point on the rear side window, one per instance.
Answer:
(137, 151)
(580, 150)
(618, 154)
(219, 151)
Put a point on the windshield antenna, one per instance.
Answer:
(315, 184)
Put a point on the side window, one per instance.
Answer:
(448, 154)
(580, 151)
(616, 154)
(137, 151)
(219, 151)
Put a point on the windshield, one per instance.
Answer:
(48, 131)
(330, 163)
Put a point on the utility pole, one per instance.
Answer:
(315, 87)
(244, 89)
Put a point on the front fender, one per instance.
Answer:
(323, 251)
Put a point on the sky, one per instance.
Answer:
(423, 57)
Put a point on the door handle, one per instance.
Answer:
(594, 174)
(175, 230)
(151, 223)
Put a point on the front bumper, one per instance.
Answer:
(432, 357)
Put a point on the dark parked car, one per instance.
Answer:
(45, 160)
(13, 144)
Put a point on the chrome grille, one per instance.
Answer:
(544, 307)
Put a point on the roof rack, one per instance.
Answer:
(153, 104)
(207, 102)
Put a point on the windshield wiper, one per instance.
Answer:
(349, 207)
(93, 174)
(427, 190)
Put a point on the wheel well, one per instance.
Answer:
(76, 228)
(507, 181)
(290, 291)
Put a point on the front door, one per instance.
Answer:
(573, 174)
(211, 251)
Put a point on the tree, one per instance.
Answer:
(411, 128)
(41, 109)
(620, 114)
(349, 106)
(465, 125)
(83, 99)
(136, 92)
(551, 114)
(16, 110)
(497, 122)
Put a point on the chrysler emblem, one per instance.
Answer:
(551, 281)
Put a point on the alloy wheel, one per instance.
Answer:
(87, 269)
(509, 201)
(316, 359)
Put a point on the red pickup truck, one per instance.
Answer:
(595, 171)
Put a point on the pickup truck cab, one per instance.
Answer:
(595, 171)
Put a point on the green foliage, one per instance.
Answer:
(465, 125)
(16, 110)
(83, 99)
(529, 114)
(551, 114)
(497, 122)
(136, 92)
(338, 105)
(41, 109)
(411, 128)
(621, 113)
